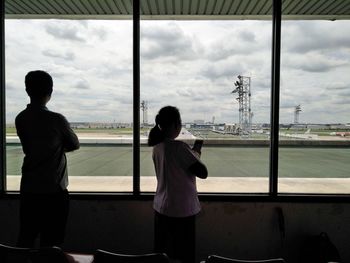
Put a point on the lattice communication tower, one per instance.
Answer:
(242, 88)
(297, 111)
(144, 107)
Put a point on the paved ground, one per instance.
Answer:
(237, 169)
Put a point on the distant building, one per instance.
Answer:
(230, 128)
(339, 126)
(99, 125)
(198, 121)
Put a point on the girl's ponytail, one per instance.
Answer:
(155, 135)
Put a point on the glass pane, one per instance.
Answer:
(92, 74)
(194, 66)
(315, 106)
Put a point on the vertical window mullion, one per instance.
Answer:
(2, 101)
(275, 96)
(136, 97)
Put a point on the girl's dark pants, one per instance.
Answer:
(175, 236)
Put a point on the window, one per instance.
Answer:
(314, 113)
(92, 74)
(194, 65)
(295, 141)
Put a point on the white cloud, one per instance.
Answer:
(58, 54)
(65, 31)
(314, 62)
(166, 40)
(189, 64)
(302, 37)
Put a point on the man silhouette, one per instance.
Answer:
(45, 136)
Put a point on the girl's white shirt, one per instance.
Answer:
(176, 194)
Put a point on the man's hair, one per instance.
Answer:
(38, 84)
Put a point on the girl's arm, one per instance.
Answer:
(199, 169)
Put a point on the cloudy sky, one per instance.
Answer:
(189, 64)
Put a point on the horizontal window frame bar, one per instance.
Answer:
(178, 17)
(204, 197)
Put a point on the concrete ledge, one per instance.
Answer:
(210, 185)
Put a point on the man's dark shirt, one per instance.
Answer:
(45, 137)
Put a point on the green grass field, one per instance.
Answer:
(236, 161)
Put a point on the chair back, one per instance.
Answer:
(218, 259)
(102, 256)
(9, 254)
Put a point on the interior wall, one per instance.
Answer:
(234, 229)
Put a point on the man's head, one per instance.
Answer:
(38, 84)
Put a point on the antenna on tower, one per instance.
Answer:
(144, 107)
(297, 111)
(242, 88)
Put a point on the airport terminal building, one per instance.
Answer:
(277, 151)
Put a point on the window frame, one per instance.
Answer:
(275, 95)
(271, 196)
(2, 102)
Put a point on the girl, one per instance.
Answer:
(176, 202)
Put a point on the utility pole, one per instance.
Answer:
(144, 107)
